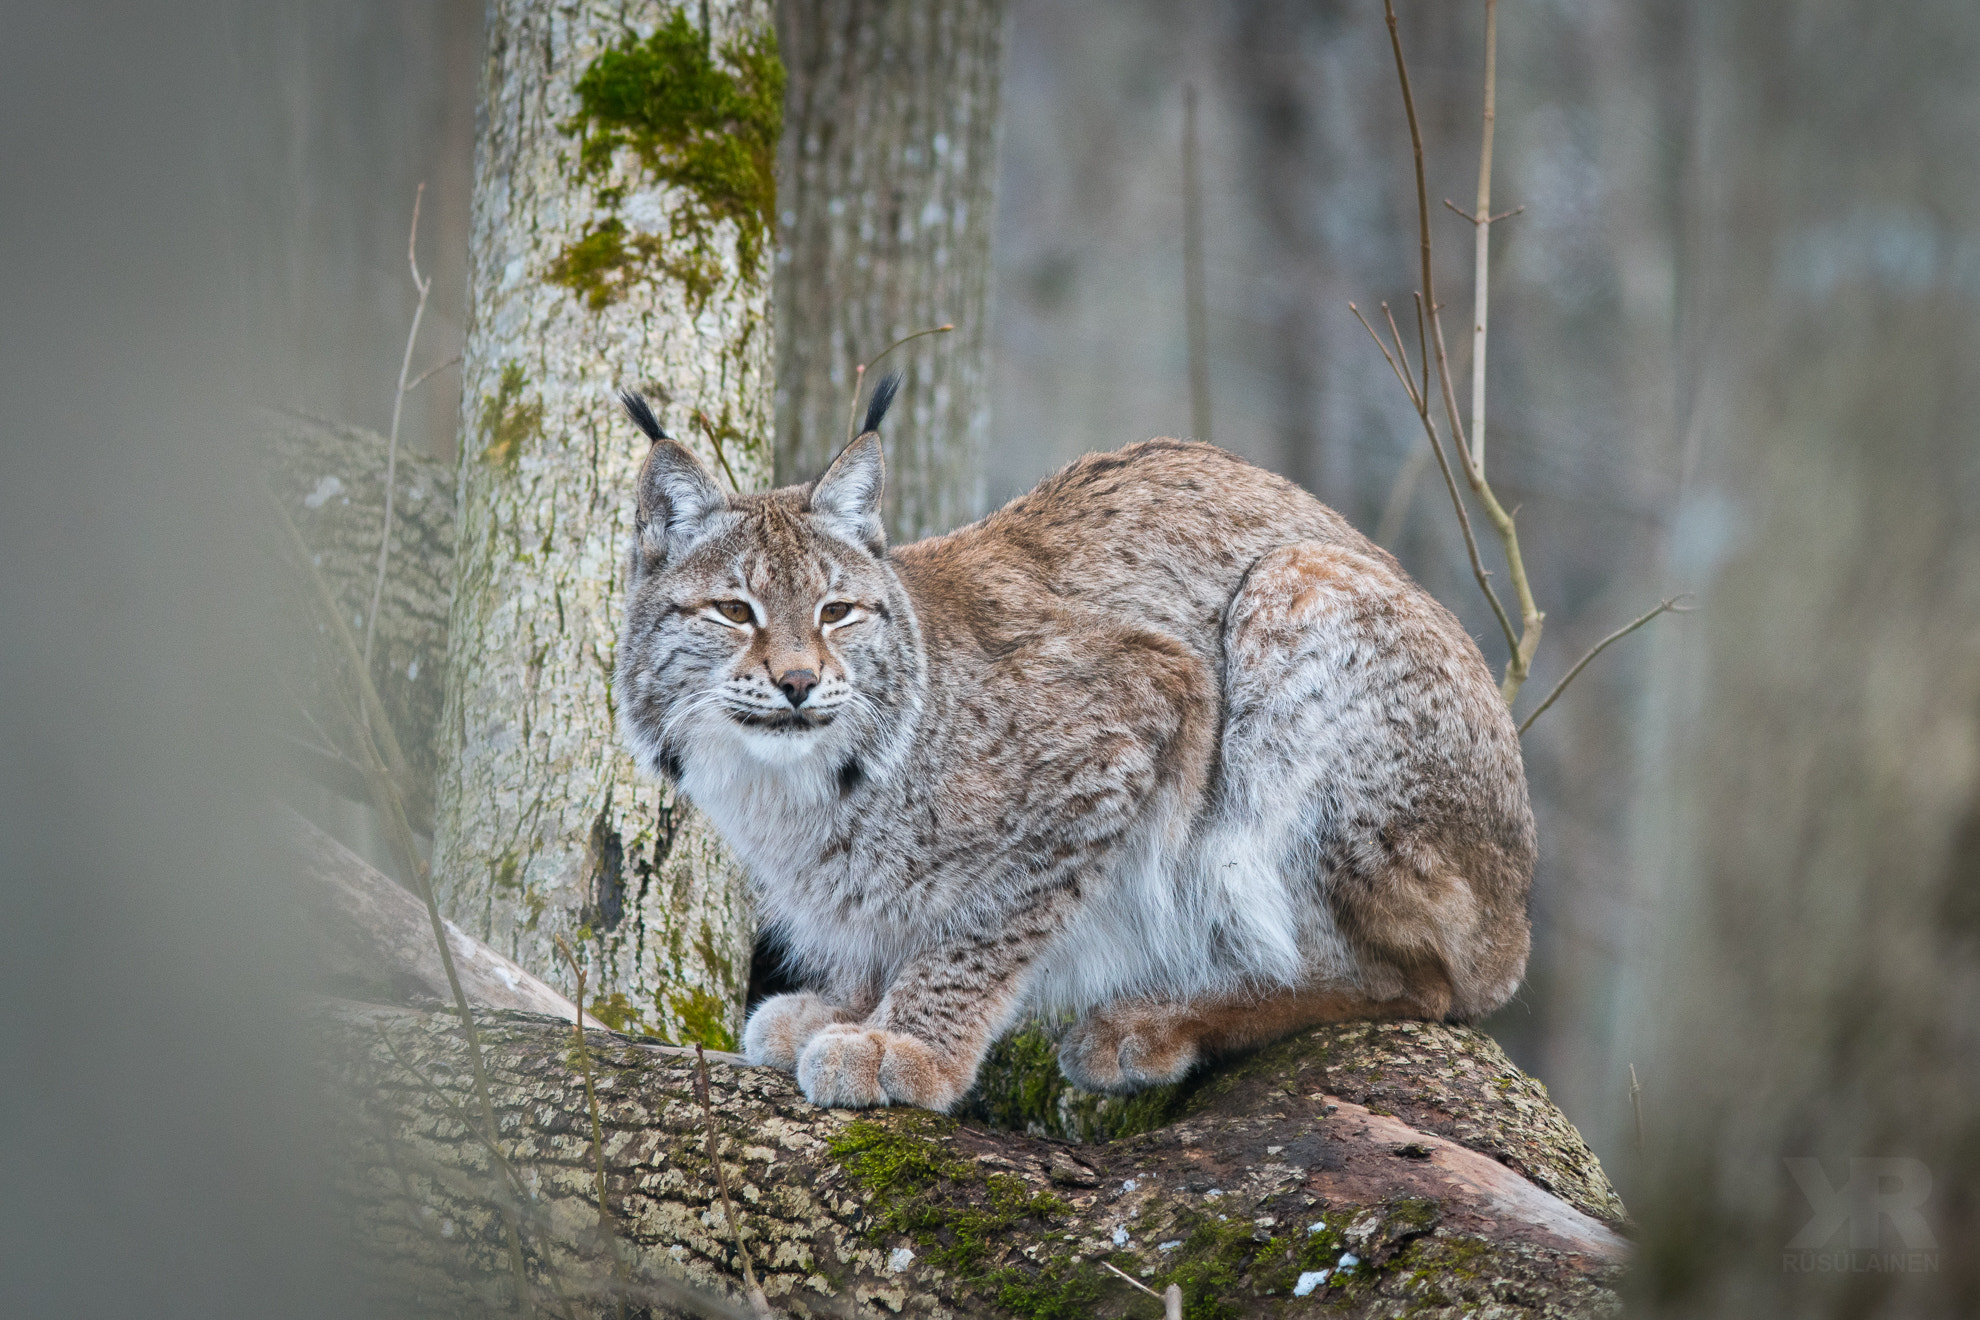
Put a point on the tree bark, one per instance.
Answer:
(599, 261)
(1240, 1188)
(889, 166)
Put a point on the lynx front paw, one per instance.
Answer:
(1124, 1048)
(783, 1025)
(849, 1066)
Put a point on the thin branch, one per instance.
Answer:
(1195, 306)
(1671, 606)
(1478, 568)
(859, 373)
(715, 439)
(1171, 1298)
(1531, 619)
(424, 286)
(590, 1088)
(431, 371)
(605, 1233)
(1636, 1106)
(758, 1303)
(1482, 226)
(1469, 218)
(1400, 370)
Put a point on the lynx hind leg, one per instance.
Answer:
(1132, 1044)
(1364, 730)
(783, 1025)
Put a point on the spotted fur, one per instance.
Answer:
(1164, 744)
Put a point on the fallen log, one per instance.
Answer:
(1261, 1189)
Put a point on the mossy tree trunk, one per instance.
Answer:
(889, 171)
(623, 201)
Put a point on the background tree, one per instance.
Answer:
(1810, 987)
(888, 171)
(623, 207)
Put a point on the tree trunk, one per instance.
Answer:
(1242, 1188)
(620, 239)
(889, 167)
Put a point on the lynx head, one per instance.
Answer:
(763, 630)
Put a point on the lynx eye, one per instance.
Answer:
(834, 612)
(735, 611)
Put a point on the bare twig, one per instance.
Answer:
(1195, 312)
(1429, 424)
(1171, 1299)
(715, 439)
(1636, 1106)
(607, 1237)
(454, 1111)
(1527, 639)
(1672, 606)
(859, 373)
(424, 286)
(590, 1088)
(1469, 218)
(758, 1303)
(1481, 222)
(433, 370)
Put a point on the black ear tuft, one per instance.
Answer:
(642, 414)
(883, 399)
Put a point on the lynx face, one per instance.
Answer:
(761, 630)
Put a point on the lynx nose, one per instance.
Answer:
(797, 685)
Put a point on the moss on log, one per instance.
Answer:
(1423, 1198)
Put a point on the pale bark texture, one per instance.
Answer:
(591, 271)
(888, 168)
(1241, 1189)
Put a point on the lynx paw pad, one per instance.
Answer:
(848, 1066)
(783, 1025)
(1126, 1052)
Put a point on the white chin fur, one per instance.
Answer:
(780, 747)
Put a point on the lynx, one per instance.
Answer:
(1164, 745)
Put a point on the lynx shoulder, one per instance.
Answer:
(1163, 744)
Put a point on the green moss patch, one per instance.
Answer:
(698, 119)
(959, 1218)
(703, 1019)
(1020, 1088)
(508, 421)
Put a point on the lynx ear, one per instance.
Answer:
(847, 497)
(677, 497)
(677, 501)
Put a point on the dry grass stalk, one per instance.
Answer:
(759, 1305)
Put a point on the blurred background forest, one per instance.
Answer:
(1735, 330)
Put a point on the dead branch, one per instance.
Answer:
(1671, 606)
(424, 286)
